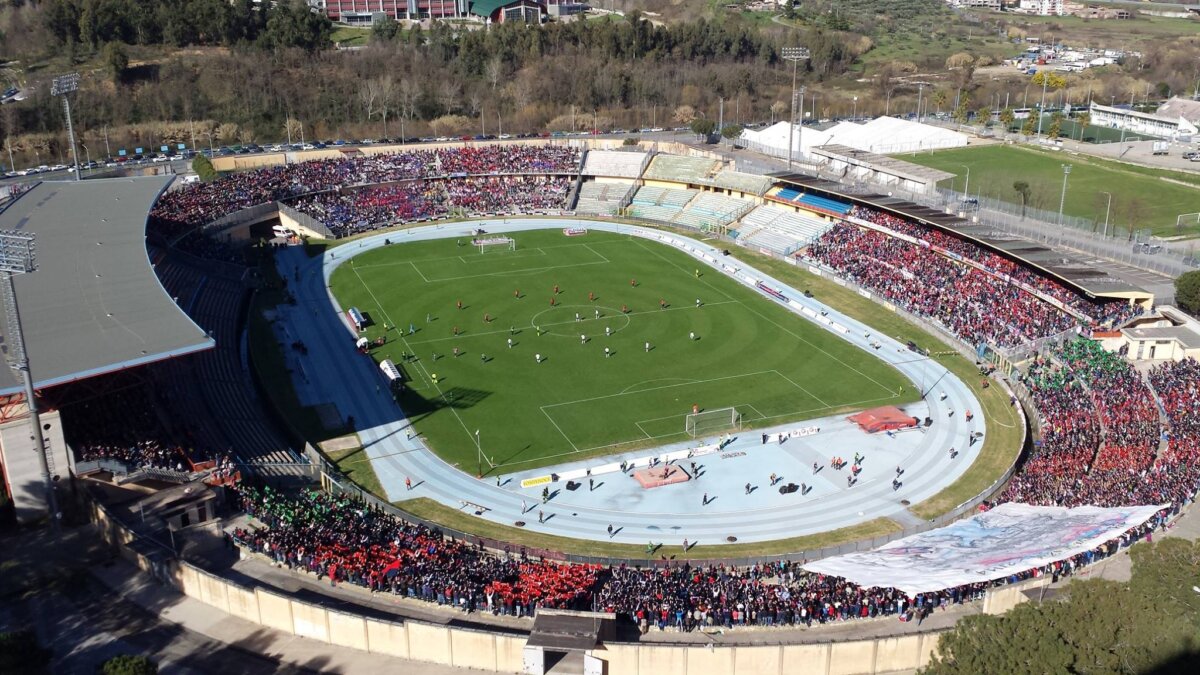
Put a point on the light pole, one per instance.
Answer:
(478, 456)
(63, 85)
(1062, 201)
(18, 255)
(920, 91)
(795, 55)
(1042, 106)
(88, 153)
(967, 184)
(855, 115)
(1107, 210)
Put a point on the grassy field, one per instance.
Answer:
(1140, 196)
(348, 36)
(772, 366)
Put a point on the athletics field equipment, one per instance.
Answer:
(635, 337)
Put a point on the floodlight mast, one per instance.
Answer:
(63, 85)
(795, 55)
(18, 255)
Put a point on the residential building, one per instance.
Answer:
(366, 12)
(1043, 7)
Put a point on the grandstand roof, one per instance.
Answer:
(1066, 266)
(94, 305)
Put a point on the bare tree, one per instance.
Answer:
(368, 94)
(227, 132)
(494, 71)
(387, 98)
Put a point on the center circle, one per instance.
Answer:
(561, 320)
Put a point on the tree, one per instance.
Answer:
(684, 114)
(1187, 291)
(1052, 81)
(1007, 117)
(116, 60)
(1147, 624)
(127, 664)
(1056, 121)
(731, 131)
(939, 99)
(1084, 120)
(789, 10)
(984, 116)
(385, 30)
(962, 112)
(227, 132)
(293, 24)
(1022, 189)
(702, 126)
(1030, 126)
(203, 167)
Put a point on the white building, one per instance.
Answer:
(1177, 117)
(1168, 335)
(1043, 7)
(978, 4)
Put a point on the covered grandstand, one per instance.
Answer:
(93, 306)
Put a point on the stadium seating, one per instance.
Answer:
(780, 231)
(711, 210)
(976, 306)
(1102, 313)
(613, 163)
(681, 169)
(742, 182)
(659, 203)
(600, 198)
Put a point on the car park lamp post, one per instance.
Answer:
(1062, 201)
(795, 55)
(18, 255)
(1107, 210)
(62, 86)
(967, 183)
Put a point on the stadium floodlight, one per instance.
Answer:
(795, 55)
(61, 86)
(18, 255)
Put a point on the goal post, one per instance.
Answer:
(712, 422)
(494, 243)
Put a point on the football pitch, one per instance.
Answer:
(635, 337)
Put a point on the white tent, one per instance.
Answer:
(882, 135)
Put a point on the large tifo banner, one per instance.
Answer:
(1008, 539)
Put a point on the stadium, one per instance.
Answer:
(585, 402)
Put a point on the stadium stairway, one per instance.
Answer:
(215, 399)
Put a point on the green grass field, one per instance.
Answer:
(772, 366)
(1140, 196)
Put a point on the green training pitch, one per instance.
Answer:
(748, 353)
(1140, 196)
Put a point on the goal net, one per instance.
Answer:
(712, 422)
(494, 243)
